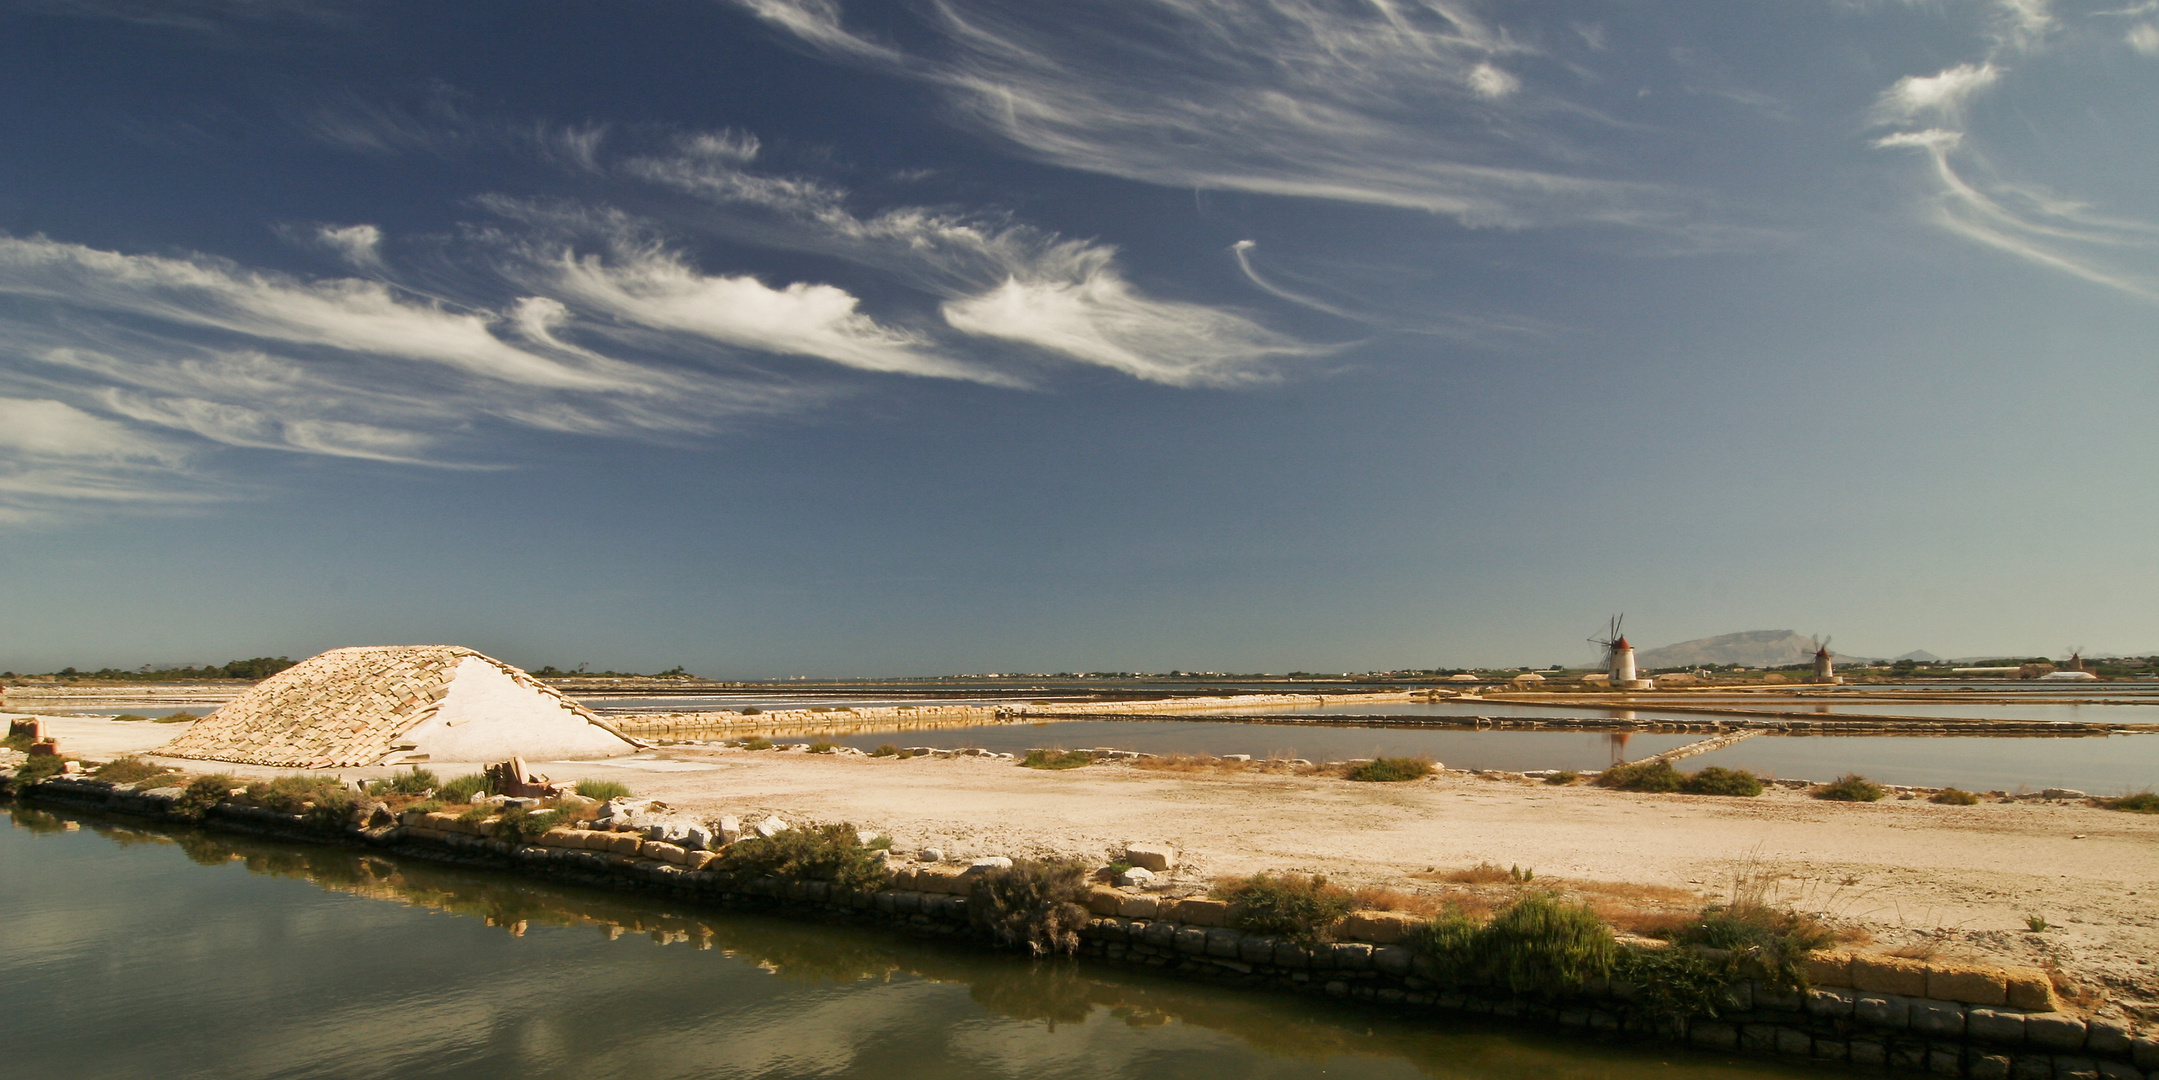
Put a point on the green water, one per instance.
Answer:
(126, 952)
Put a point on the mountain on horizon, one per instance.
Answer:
(1919, 655)
(1754, 648)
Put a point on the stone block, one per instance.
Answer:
(1994, 1026)
(2145, 1052)
(1711, 1036)
(1202, 912)
(1777, 997)
(1223, 942)
(1971, 985)
(2031, 1067)
(1831, 1049)
(1945, 1060)
(2030, 990)
(2075, 1068)
(1256, 949)
(728, 828)
(2108, 1037)
(1831, 969)
(1138, 907)
(1889, 975)
(1989, 1067)
(1377, 927)
(1153, 856)
(2115, 1070)
(1351, 956)
(624, 843)
(1907, 1056)
(1104, 901)
(1940, 1019)
(1136, 877)
(1869, 1053)
(1162, 935)
(698, 860)
(2054, 1031)
(1289, 954)
(1833, 1004)
(1758, 1038)
(1393, 959)
(1191, 940)
(1792, 1042)
(1886, 1011)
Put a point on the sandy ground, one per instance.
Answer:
(1954, 881)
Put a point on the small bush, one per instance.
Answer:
(886, 750)
(1777, 941)
(812, 852)
(753, 711)
(132, 718)
(1290, 905)
(1717, 780)
(38, 768)
(1950, 796)
(176, 718)
(1390, 770)
(1674, 982)
(17, 741)
(127, 770)
(1535, 944)
(2142, 802)
(202, 793)
(1562, 778)
(417, 782)
(1851, 787)
(603, 790)
(2035, 922)
(1657, 776)
(463, 788)
(291, 794)
(757, 744)
(1038, 905)
(823, 747)
(1057, 759)
(1450, 940)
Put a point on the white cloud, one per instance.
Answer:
(1391, 104)
(54, 456)
(2144, 38)
(1080, 307)
(1941, 96)
(359, 245)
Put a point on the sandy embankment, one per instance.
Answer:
(1958, 881)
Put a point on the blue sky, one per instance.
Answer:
(780, 337)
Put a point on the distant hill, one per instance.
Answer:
(1921, 656)
(1754, 648)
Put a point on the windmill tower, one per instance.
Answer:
(2076, 659)
(1619, 658)
(1825, 664)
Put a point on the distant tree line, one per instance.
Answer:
(553, 672)
(255, 670)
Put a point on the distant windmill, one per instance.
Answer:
(2076, 659)
(1825, 664)
(1618, 656)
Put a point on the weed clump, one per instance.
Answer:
(1057, 759)
(1660, 776)
(463, 788)
(1389, 770)
(128, 717)
(602, 790)
(417, 782)
(202, 793)
(1950, 796)
(813, 852)
(1777, 942)
(823, 747)
(757, 744)
(2142, 802)
(1038, 905)
(1294, 906)
(1562, 778)
(1537, 943)
(886, 750)
(127, 770)
(39, 768)
(176, 718)
(1851, 787)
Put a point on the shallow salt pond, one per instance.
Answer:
(129, 953)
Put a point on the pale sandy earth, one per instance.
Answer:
(1956, 880)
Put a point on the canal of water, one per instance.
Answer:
(131, 952)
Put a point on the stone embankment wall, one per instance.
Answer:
(1867, 1011)
(909, 717)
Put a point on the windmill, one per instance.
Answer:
(1618, 656)
(1825, 664)
(2076, 659)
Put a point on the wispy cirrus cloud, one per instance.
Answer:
(1422, 105)
(54, 456)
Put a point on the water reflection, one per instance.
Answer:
(164, 966)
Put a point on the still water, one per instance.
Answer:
(127, 953)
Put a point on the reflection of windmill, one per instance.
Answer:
(1619, 657)
(1825, 664)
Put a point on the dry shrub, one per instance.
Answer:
(1181, 763)
(1037, 905)
(1381, 898)
(1296, 906)
(128, 770)
(1484, 873)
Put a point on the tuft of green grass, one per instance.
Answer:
(1777, 941)
(131, 718)
(39, 768)
(1038, 905)
(1057, 759)
(1851, 787)
(1950, 796)
(603, 790)
(2035, 922)
(417, 782)
(757, 744)
(1299, 907)
(127, 770)
(2142, 802)
(1562, 778)
(1536, 944)
(1391, 770)
(463, 788)
(886, 750)
(831, 852)
(823, 747)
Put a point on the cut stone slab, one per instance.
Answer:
(1156, 857)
